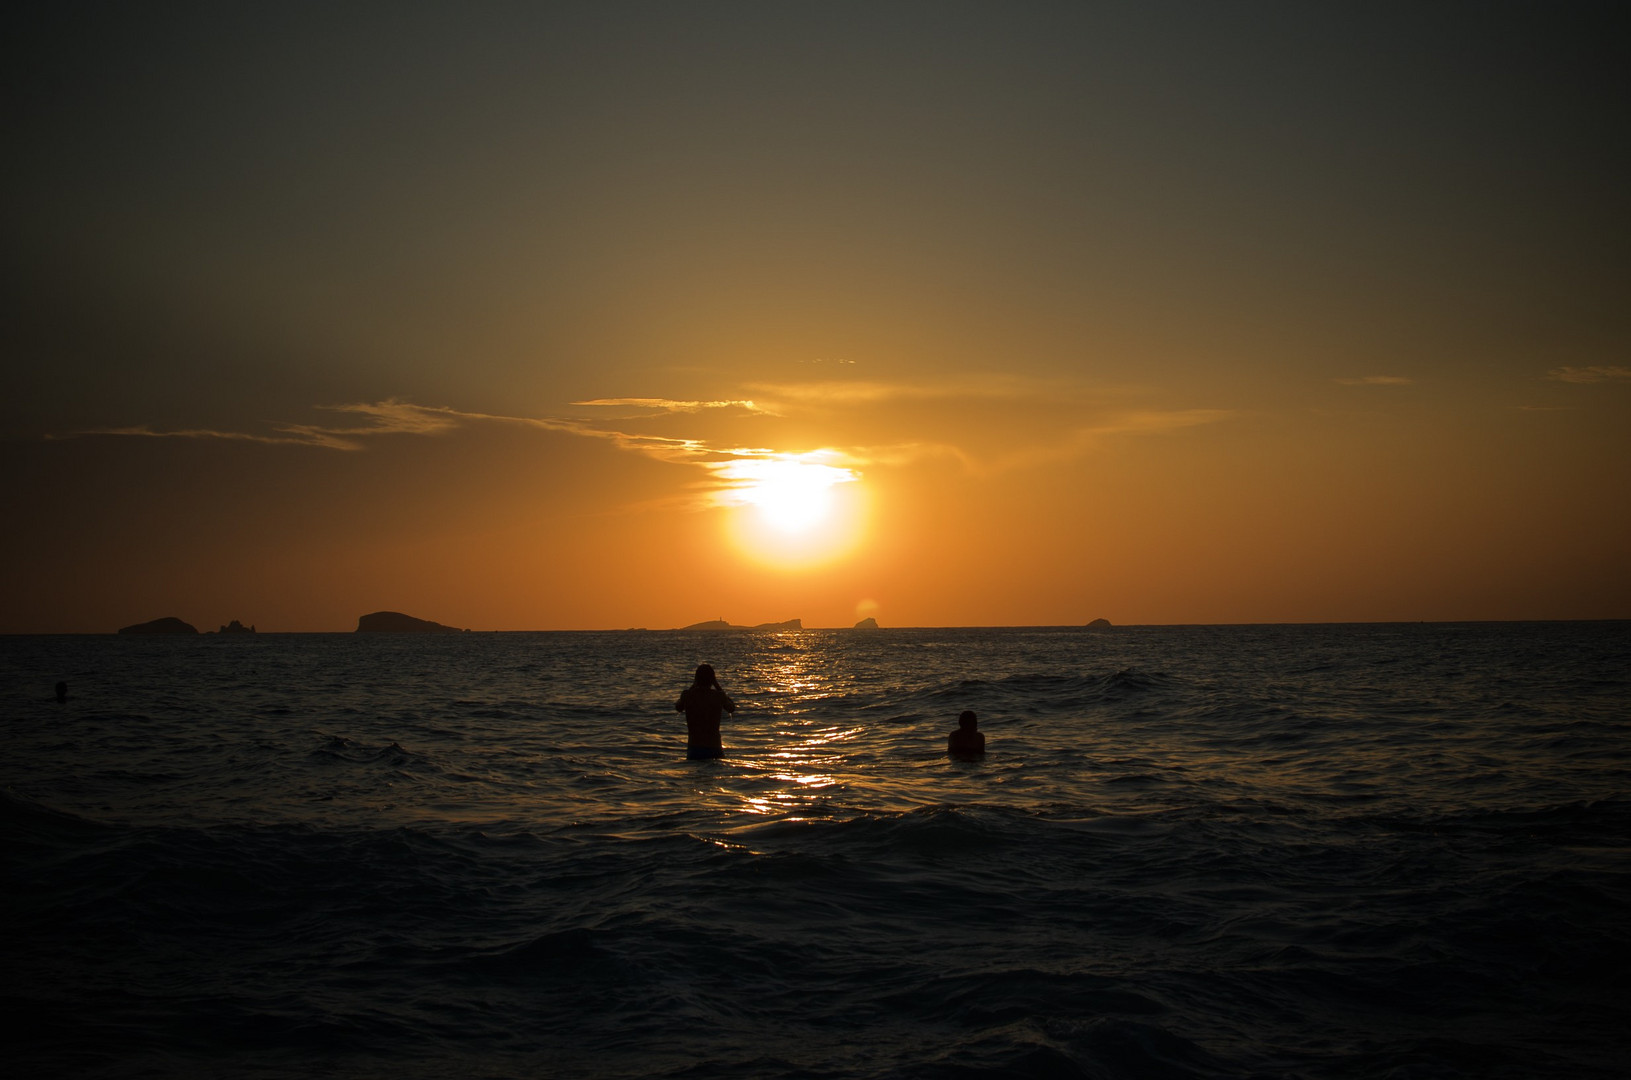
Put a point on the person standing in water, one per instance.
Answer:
(968, 741)
(702, 703)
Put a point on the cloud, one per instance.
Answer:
(1082, 440)
(388, 417)
(1376, 380)
(141, 431)
(732, 469)
(1076, 442)
(1595, 374)
(1156, 420)
(668, 405)
(853, 392)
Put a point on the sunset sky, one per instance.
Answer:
(593, 316)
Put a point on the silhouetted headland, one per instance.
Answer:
(394, 622)
(721, 624)
(235, 627)
(167, 625)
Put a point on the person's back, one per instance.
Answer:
(703, 703)
(967, 741)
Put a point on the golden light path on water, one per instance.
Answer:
(810, 756)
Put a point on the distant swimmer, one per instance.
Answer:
(968, 741)
(62, 691)
(702, 703)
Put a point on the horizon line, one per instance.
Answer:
(761, 629)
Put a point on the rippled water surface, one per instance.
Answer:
(1236, 851)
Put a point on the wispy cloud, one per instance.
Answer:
(1152, 420)
(142, 431)
(848, 392)
(388, 417)
(1084, 439)
(732, 470)
(1375, 380)
(668, 405)
(1594, 374)
(1075, 442)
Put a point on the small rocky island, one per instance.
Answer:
(167, 625)
(868, 623)
(1099, 624)
(394, 622)
(235, 627)
(721, 624)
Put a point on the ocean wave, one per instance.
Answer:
(1058, 692)
(1312, 852)
(337, 748)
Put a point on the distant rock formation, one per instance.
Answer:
(167, 625)
(394, 622)
(868, 623)
(235, 627)
(1099, 624)
(721, 624)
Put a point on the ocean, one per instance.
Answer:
(1254, 851)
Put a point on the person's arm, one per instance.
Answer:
(679, 706)
(725, 699)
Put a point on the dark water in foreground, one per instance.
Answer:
(1346, 851)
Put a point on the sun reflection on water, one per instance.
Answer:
(799, 760)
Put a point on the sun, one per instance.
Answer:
(794, 496)
(792, 509)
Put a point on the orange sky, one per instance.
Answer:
(1159, 314)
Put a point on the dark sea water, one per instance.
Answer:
(1309, 851)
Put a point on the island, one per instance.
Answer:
(235, 627)
(721, 624)
(868, 623)
(394, 622)
(1099, 624)
(167, 625)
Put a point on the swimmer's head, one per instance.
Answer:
(966, 720)
(705, 676)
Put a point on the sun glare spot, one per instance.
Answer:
(794, 495)
(794, 508)
(792, 492)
